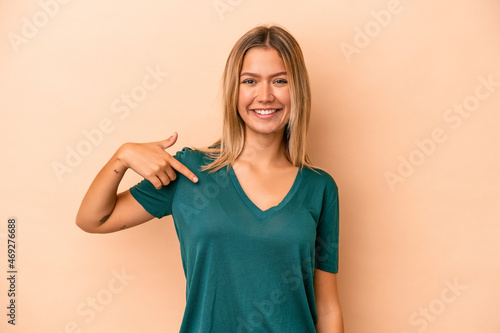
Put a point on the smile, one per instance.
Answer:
(265, 111)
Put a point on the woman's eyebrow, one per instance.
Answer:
(258, 75)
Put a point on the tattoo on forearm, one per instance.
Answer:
(104, 218)
(116, 171)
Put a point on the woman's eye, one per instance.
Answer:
(250, 81)
(281, 81)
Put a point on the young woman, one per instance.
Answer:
(257, 223)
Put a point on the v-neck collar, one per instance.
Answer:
(264, 215)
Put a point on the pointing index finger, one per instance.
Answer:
(184, 170)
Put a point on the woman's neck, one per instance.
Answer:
(264, 150)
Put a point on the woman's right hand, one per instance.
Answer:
(152, 162)
(103, 210)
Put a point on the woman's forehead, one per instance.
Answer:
(263, 60)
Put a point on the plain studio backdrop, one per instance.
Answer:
(405, 117)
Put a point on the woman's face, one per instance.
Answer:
(264, 95)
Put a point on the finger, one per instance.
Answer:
(184, 170)
(170, 173)
(155, 181)
(164, 144)
(163, 177)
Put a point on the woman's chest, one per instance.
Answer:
(266, 189)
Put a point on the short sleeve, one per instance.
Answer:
(158, 202)
(327, 238)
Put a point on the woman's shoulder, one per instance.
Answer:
(194, 155)
(316, 176)
(188, 152)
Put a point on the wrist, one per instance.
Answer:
(119, 159)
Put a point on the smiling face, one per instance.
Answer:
(264, 95)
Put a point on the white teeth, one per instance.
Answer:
(266, 111)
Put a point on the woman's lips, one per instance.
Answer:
(265, 113)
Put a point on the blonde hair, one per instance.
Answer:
(226, 149)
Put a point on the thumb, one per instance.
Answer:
(164, 144)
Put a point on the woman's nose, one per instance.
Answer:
(265, 93)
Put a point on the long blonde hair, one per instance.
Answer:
(226, 149)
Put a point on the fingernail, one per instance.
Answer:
(195, 179)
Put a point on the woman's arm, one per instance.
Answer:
(327, 303)
(102, 210)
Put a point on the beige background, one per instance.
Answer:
(419, 181)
